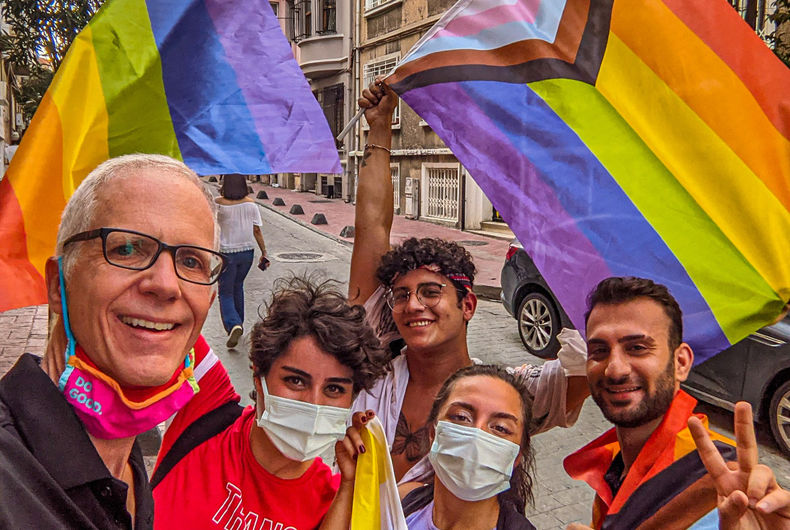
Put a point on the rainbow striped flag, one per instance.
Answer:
(211, 82)
(628, 137)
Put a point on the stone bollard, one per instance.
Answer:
(212, 179)
(318, 219)
(262, 195)
(278, 201)
(296, 209)
(249, 190)
(348, 232)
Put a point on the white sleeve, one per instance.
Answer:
(379, 317)
(255, 215)
(548, 387)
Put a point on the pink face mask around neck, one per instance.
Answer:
(101, 403)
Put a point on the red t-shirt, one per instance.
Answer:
(219, 484)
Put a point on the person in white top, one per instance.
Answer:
(240, 228)
(421, 292)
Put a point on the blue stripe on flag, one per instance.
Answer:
(214, 128)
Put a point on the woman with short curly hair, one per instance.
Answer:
(311, 355)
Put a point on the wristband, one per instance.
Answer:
(371, 146)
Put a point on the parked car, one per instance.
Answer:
(528, 298)
(756, 369)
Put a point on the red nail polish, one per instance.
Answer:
(361, 448)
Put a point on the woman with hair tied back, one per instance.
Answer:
(480, 455)
(240, 222)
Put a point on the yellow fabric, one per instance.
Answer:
(376, 502)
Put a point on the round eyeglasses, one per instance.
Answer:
(136, 251)
(428, 294)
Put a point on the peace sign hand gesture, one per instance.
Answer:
(748, 495)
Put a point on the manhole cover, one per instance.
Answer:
(320, 201)
(301, 257)
(472, 243)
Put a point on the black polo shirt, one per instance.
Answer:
(50, 474)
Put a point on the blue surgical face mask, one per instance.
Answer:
(471, 463)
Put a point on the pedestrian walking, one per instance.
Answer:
(240, 227)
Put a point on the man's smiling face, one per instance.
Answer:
(432, 328)
(138, 325)
(632, 372)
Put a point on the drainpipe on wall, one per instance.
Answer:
(355, 44)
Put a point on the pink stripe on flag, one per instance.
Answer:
(465, 25)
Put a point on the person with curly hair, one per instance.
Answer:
(419, 299)
(479, 428)
(263, 466)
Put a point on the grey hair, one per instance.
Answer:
(79, 212)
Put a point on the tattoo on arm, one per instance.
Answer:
(414, 444)
(368, 152)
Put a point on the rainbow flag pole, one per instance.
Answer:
(211, 82)
(632, 137)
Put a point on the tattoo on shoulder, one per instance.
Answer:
(415, 444)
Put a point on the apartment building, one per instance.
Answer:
(321, 36)
(11, 123)
(429, 182)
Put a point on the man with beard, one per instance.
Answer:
(646, 471)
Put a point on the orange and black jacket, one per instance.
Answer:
(666, 487)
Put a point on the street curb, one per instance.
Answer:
(489, 292)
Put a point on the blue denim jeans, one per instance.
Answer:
(231, 288)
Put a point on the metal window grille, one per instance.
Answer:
(328, 11)
(395, 175)
(302, 17)
(331, 100)
(441, 188)
(381, 67)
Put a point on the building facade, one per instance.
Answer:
(429, 182)
(11, 123)
(321, 37)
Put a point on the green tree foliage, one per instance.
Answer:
(40, 33)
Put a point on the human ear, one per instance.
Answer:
(52, 280)
(684, 360)
(469, 305)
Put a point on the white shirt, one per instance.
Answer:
(235, 223)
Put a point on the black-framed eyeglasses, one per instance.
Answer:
(136, 251)
(428, 294)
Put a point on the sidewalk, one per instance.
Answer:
(488, 252)
(22, 330)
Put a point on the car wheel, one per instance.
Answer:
(538, 325)
(779, 415)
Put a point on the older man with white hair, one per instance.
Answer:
(129, 288)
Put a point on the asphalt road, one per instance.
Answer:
(492, 337)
